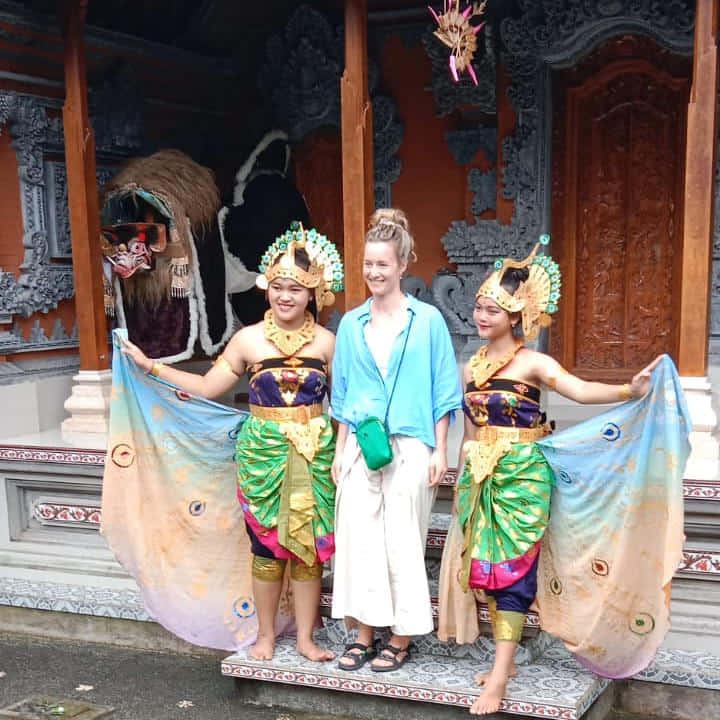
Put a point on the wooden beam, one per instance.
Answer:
(702, 128)
(82, 192)
(357, 149)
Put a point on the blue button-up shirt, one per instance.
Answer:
(428, 384)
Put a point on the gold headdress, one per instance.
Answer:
(536, 299)
(325, 275)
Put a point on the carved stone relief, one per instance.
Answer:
(387, 139)
(301, 74)
(484, 185)
(116, 113)
(301, 77)
(547, 33)
(58, 210)
(14, 340)
(42, 283)
(464, 144)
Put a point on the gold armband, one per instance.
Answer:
(156, 369)
(625, 393)
(223, 364)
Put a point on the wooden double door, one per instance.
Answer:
(618, 172)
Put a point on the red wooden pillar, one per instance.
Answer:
(357, 149)
(82, 192)
(702, 128)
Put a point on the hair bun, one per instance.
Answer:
(390, 215)
(519, 275)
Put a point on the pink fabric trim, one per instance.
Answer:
(324, 546)
(485, 575)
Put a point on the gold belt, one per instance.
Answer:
(491, 434)
(296, 413)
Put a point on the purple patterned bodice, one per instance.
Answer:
(504, 402)
(285, 382)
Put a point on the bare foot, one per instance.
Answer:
(263, 649)
(488, 702)
(314, 652)
(482, 678)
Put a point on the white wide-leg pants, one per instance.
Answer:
(381, 525)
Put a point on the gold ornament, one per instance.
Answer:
(225, 365)
(455, 31)
(482, 368)
(536, 298)
(288, 342)
(325, 275)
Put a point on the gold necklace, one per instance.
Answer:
(288, 342)
(483, 369)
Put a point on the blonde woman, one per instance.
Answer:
(394, 361)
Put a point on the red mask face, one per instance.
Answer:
(129, 247)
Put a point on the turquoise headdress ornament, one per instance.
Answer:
(325, 275)
(536, 299)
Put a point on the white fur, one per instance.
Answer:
(243, 174)
(197, 291)
(237, 277)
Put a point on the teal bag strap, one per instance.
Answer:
(402, 355)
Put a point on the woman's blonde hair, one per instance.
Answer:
(391, 225)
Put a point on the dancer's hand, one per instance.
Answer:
(438, 466)
(336, 468)
(641, 382)
(140, 358)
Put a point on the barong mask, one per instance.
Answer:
(163, 256)
(325, 276)
(536, 298)
(130, 247)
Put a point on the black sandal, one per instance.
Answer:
(390, 654)
(358, 658)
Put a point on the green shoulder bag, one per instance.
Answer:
(372, 432)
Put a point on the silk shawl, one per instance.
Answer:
(170, 512)
(615, 535)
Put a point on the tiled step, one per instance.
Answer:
(553, 685)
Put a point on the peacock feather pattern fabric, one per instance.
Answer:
(615, 534)
(170, 511)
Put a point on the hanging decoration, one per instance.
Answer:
(455, 30)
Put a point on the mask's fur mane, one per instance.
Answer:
(188, 190)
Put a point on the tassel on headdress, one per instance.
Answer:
(536, 298)
(108, 297)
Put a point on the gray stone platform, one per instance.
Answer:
(553, 685)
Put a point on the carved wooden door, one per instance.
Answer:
(618, 159)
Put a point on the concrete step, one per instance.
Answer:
(552, 685)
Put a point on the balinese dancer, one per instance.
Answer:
(395, 368)
(285, 447)
(506, 477)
